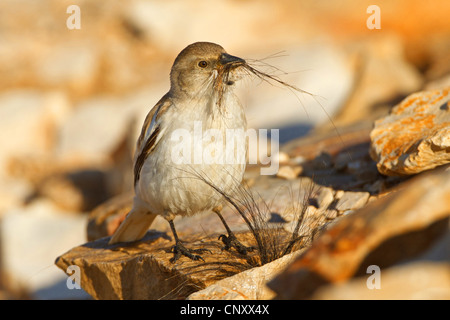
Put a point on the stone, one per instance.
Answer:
(414, 281)
(246, 285)
(283, 158)
(13, 193)
(289, 172)
(325, 197)
(77, 190)
(106, 218)
(415, 136)
(427, 277)
(94, 130)
(27, 125)
(74, 64)
(383, 75)
(337, 158)
(30, 238)
(440, 83)
(322, 161)
(146, 261)
(352, 200)
(398, 228)
(142, 270)
(339, 194)
(29, 121)
(73, 185)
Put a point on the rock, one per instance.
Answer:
(94, 130)
(401, 227)
(415, 136)
(72, 184)
(352, 200)
(142, 270)
(325, 197)
(332, 142)
(149, 255)
(247, 285)
(106, 218)
(339, 158)
(30, 238)
(28, 121)
(440, 83)
(76, 191)
(13, 193)
(74, 64)
(414, 281)
(382, 74)
(322, 161)
(289, 172)
(283, 158)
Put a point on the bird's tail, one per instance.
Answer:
(134, 226)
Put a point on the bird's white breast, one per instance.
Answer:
(193, 148)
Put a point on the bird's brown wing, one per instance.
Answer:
(149, 136)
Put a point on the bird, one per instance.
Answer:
(174, 157)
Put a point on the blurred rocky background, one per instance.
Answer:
(72, 102)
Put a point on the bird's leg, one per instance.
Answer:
(231, 241)
(179, 249)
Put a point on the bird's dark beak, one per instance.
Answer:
(226, 58)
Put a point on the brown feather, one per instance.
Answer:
(145, 148)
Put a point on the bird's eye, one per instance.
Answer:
(203, 64)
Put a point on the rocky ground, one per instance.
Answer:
(365, 162)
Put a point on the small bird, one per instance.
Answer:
(166, 182)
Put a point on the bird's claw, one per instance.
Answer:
(231, 241)
(179, 250)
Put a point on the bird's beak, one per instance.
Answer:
(226, 58)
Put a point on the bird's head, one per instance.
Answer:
(204, 66)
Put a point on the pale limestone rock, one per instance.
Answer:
(415, 281)
(398, 228)
(383, 74)
(94, 130)
(283, 157)
(28, 120)
(13, 193)
(325, 197)
(142, 270)
(289, 172)
(30, 238)
(247, 285)
(72, 63)
(352, 200)
(415, 136)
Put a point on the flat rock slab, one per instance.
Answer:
(247, 285)
(415, 136)
(142, 270)
(389, 231)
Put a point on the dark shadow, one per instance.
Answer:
(403, 247)
(60, 291)
(292, 132)
(93, 185)
(150, 237)
(350, 170)
(296, 285)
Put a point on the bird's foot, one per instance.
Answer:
(178, 250)
(231, 241)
